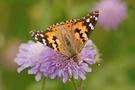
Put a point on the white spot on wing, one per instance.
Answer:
(90, 16)
(93, 16)
(44, 41)
(88, 20)
(91, 26)
(36, 38)
(96, 18)
(41, 35)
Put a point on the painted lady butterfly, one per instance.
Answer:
(68, 37)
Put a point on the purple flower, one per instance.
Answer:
(29, 56)
(112, 12)
(50, 63)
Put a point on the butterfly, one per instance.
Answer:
(68, 37)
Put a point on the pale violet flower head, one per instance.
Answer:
(44, 61)
(112, 12)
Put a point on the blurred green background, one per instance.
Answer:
(117, 47)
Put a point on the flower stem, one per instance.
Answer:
(80, 84)
(43, 84)
(73, 81)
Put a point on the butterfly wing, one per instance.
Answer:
(84, 27)
(68, 37)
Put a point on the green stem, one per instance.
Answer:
(80, 84)
(74, 83)
(43, 84)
